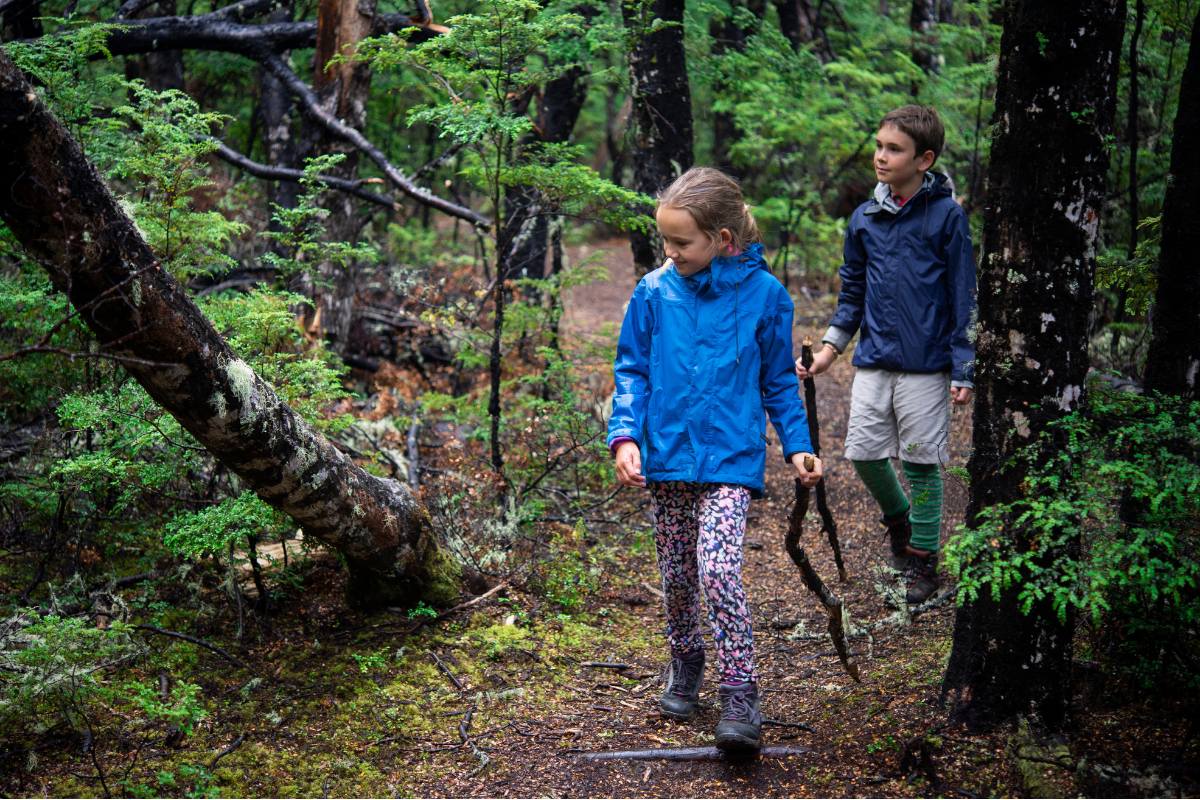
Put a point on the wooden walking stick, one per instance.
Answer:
(814, 432)
(834, 608)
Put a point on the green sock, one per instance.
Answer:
(883, 485)
(926, 483)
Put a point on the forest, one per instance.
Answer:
(308, 317)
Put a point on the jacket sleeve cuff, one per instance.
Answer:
(838, 337)
(961, 385)
(617, 442)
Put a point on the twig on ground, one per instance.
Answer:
(652, 589)
(233, 746)
(778, 723)
(605, 665)
(463, 728)
(199, 642)
(446, 671)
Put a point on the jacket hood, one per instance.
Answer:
(730, 271)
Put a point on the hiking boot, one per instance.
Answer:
(682, 695)
(741, 720)
(920, 576)
(899, 531)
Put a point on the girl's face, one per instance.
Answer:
(684, 243)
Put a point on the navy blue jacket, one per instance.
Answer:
(698, 361)
(908, 285)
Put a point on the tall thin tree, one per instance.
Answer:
(662, 107)
(1046, 189)
(1173, 364)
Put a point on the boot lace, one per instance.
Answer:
(683, 676)
(736, 706)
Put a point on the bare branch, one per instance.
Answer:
(284, 74)
(270, 173)
(223, 31)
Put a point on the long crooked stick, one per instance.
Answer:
(814, 432)
(834, 608)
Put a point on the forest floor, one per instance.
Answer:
(504, 698)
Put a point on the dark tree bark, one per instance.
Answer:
(160, 69)
(802, 25)
(1173, 364)
(62, 213)
(527, 225)
(1132, 138)
(923, 21)
(662, 109)
(1046, 188)
(275, 107)
(228, 33)
(728, 35)
(20, 20)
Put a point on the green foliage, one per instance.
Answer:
(570, 575)
(215, 529)
(300, 234)
(1124, 480)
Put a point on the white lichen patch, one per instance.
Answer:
(1016, 343)
(137, 292)
(1069, 397)
(1021, 424)
(1046, 320)
(217, 401)
(242, 383)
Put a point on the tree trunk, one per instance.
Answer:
(62, 213)
(801, 25)
(342, 91)
(662, 109)
(160, 69)
(1133, 140)
(278, 143)
(1173, 364)
(728, 35)
(21, 20)
(526, 226)
(922, 21)
(1046, 189)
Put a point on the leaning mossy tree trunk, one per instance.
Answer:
(60, 210)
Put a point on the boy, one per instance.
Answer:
(908, 288)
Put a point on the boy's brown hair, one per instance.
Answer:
(922, 124)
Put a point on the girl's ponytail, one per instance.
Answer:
(715, 201)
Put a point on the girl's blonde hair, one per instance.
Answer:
(715, 201)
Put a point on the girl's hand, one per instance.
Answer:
(629, 465)
(808, 476)
(961, 395)
(822, 360)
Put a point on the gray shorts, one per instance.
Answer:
(899, 414)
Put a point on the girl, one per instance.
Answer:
(705, 347)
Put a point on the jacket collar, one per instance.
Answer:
(727, 271)
(935, 183)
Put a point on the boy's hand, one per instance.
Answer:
(629, 465)
(961, 395)
(810, 468)
(821, 361)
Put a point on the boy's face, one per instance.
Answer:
(897, 162)
(684, 243)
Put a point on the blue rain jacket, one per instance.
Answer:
(698, 361)
(908, 285)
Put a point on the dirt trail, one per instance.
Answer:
(856, 732)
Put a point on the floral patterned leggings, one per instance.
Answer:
(698, 533)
